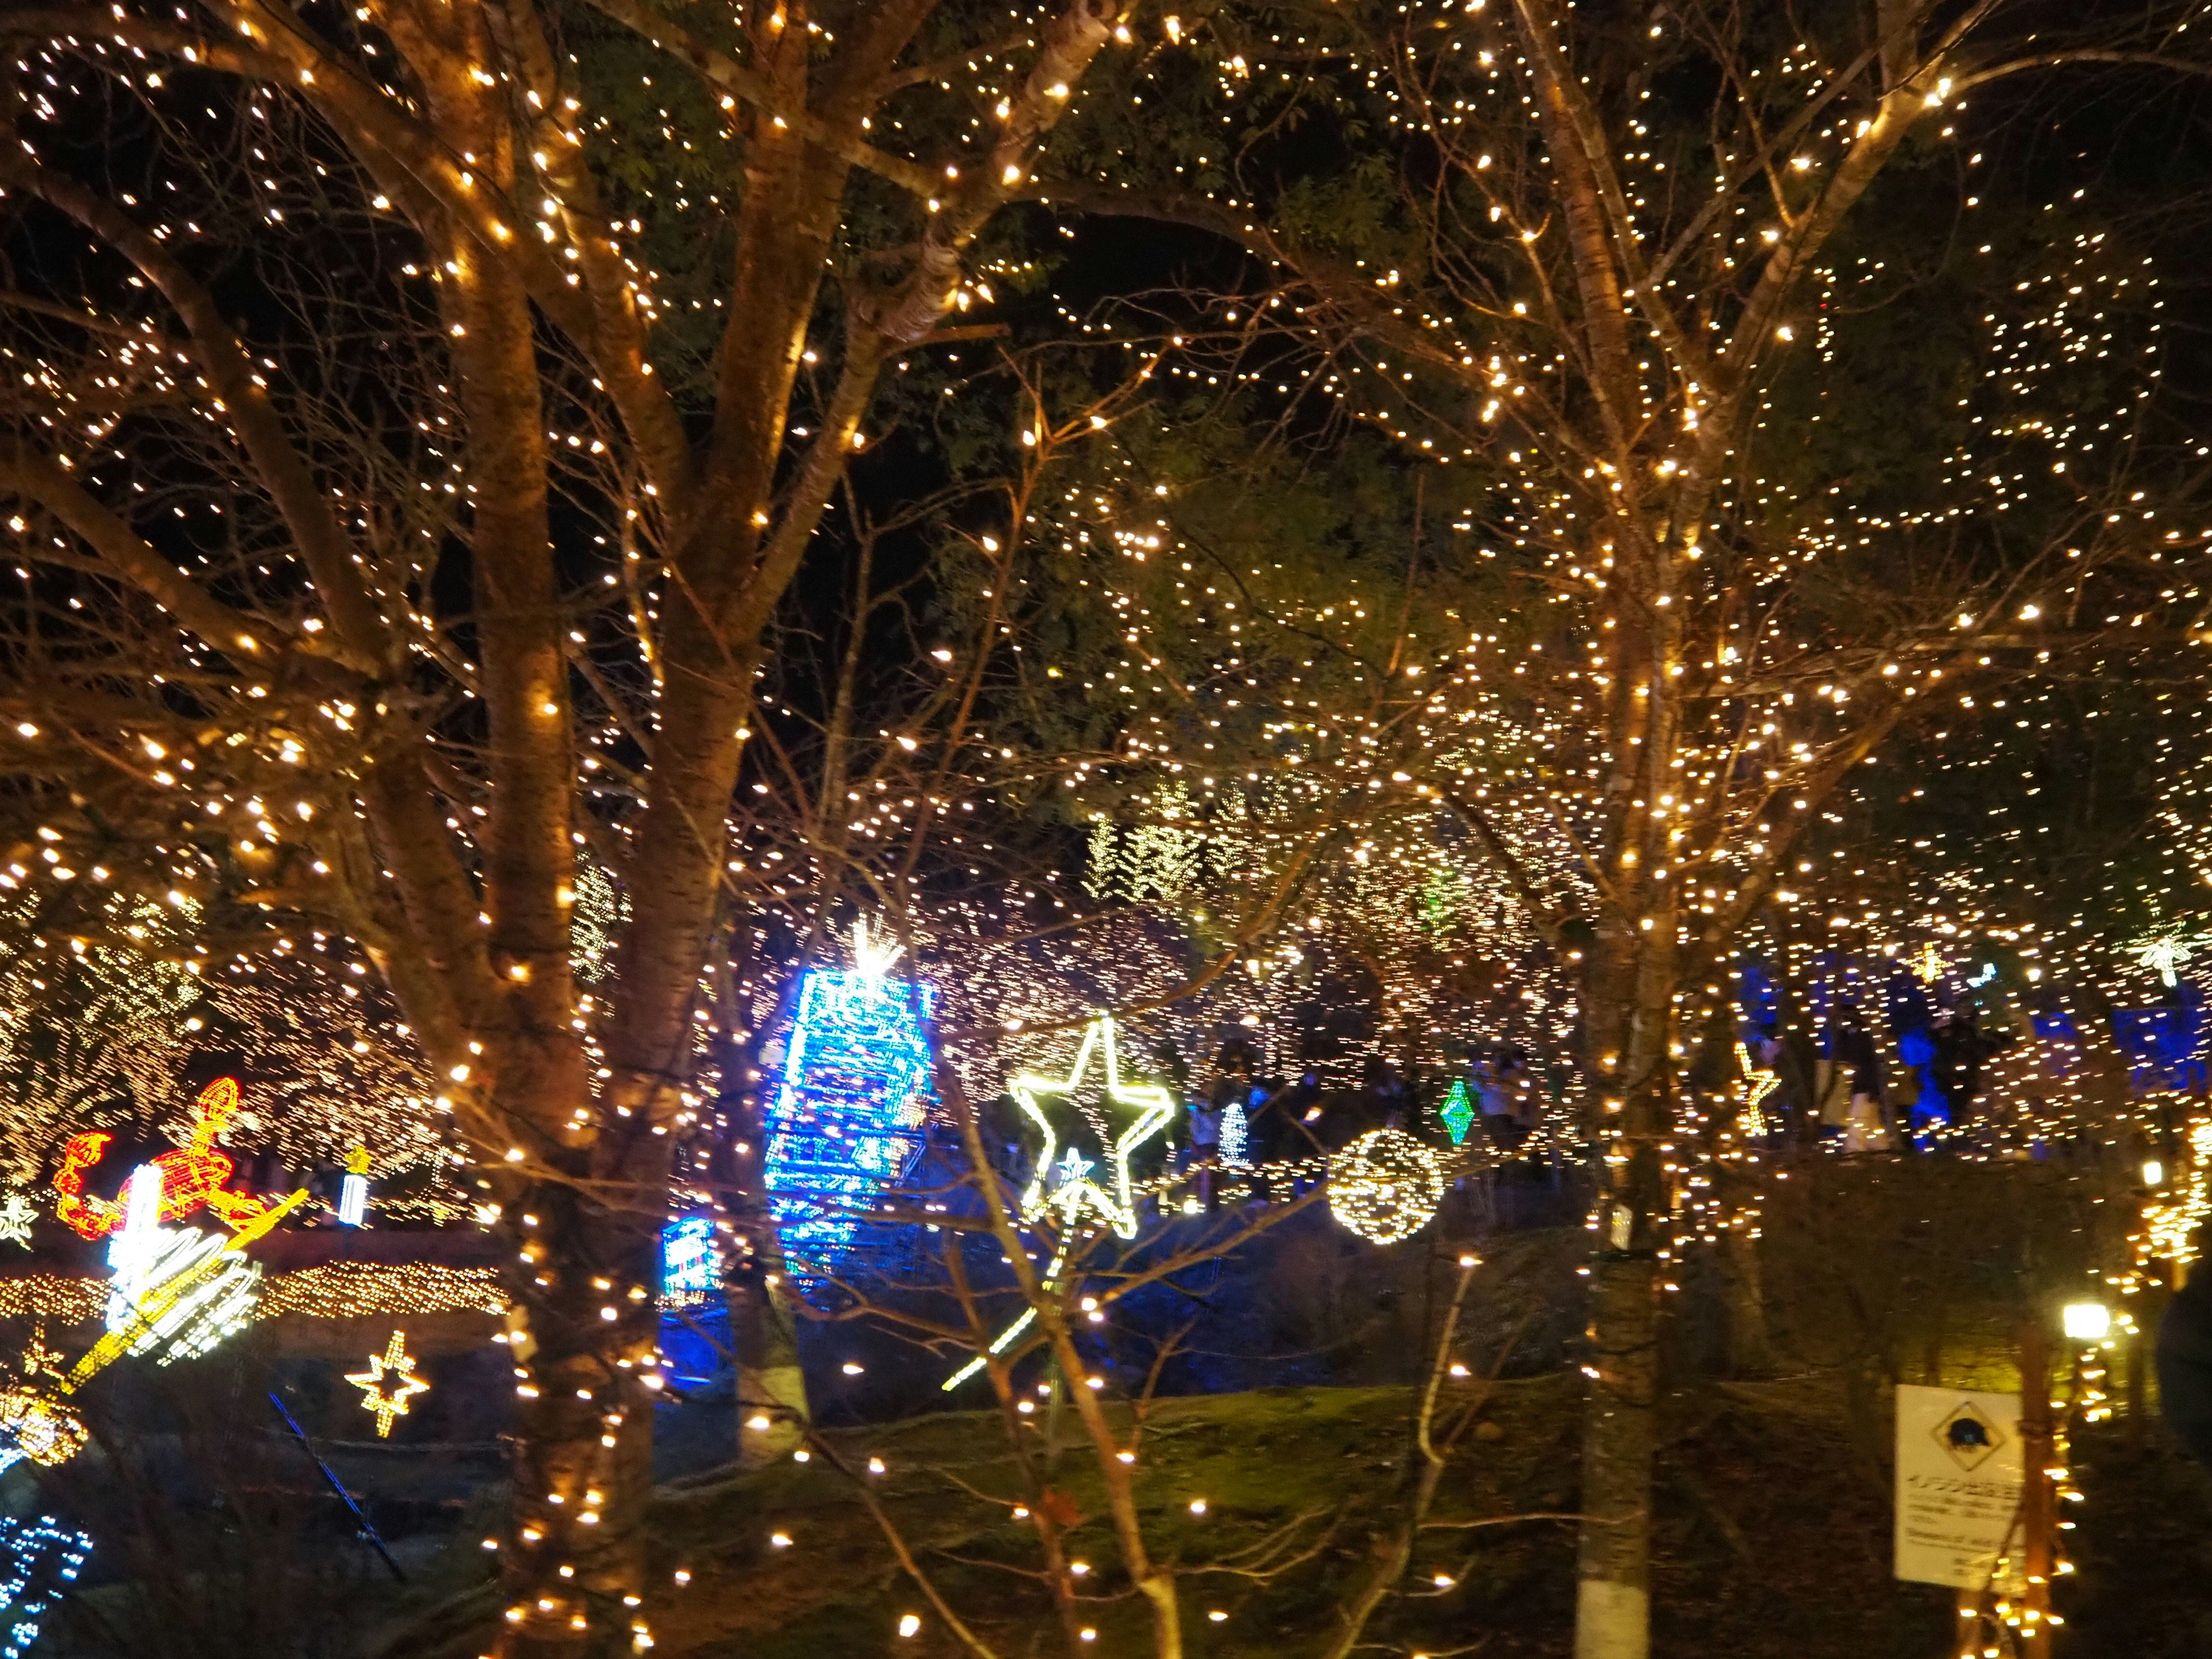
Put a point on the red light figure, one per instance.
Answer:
(192, 1176)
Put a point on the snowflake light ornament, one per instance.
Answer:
(17, 1215)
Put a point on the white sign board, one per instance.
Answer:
(1958, 1485)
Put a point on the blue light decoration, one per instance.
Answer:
(2164, 1045)
(690, 1262)
(847, 1116)
(41, 1557)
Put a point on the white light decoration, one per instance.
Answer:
(17, 1215)
(2164, 955)
(170, 1295)
(353, 1191)
(2087, 1322)
(1067, 1181)
(1236, 1137)
(1384, 1185)
(873, 957)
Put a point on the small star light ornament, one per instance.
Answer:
(388, 1384)
(17, 1215)
(1759, 1081)
(1083, 1168)
(1385, 1186)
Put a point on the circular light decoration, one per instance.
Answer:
(1385, 1186)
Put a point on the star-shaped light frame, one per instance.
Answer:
(1069, 1185)
(393, 1365)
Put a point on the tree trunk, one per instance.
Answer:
(772, 1415)
(583, 1279)
(1628, 1033)
(1751, 1354)
(1613, 1598)
(2038, 1524)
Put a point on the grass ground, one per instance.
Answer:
(1772, 1543)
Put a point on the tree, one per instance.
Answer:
(1606, 268)
(379, 502)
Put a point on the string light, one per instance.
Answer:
(43, 1557)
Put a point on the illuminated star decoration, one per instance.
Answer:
(1065, 1179)
(17, 1212)
(388, 1384)
(1759, 1083)
(873, 957)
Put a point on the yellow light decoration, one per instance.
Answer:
(43, 1430)
(348, 1290)
(336, 1289)
(388, 1384)
(1385, 1186)
(1064, 1180)
(1759, 1083)
(2169, 1229)
(66, 1300)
